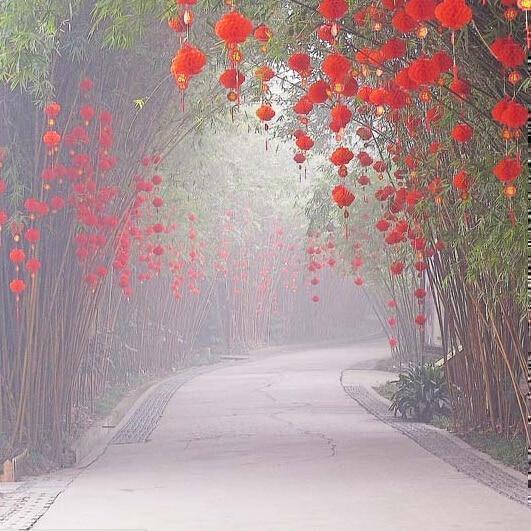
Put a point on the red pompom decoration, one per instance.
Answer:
(461, 181)
(17, 286)
(510, 113)
(303, 106)
(403, 23)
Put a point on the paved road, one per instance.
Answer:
(276, 444)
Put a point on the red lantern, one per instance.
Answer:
(304, 142)
(462, 180)
(453, 14)
(421, 10)
(462, 133)
(33, 265)
(263, 34)
(300, 63)
(265, 112)
(17, 255)
(337, 68)
(341, 156)
(508, 169)
(333, 9)
(17, 286)
(188, 62)
(232, 79)
(233, 28)
(51, 139)
(342, 196)
(397, 267)
(32, 235)
(508, 51)
(420, 320)
(420, 293)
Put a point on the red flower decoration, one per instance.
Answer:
(403, 23)
(341, 115)
(233, 28)
(393, 49)
(262, 33)
(382, 225)
(453, 14)
(303, 106)
(424, 71)
(188, 62)
(510, 113)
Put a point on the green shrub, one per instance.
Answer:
(422, 392)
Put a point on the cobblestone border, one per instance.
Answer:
(463, 459)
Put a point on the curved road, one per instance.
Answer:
(276, 444)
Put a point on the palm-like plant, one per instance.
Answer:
(421, 392)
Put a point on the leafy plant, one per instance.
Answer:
(422, 392)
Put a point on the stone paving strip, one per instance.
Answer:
(23, 503)
(440, 444)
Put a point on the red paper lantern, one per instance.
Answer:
(300, 63)
(52, 110)
(304, 142)
(420, 320)
(265, 112)
(303, 106)
(51, 138)
(423, 71)
(397, 267)
(262, 34)
(17, 255)
(32, 235)
(188, 62)
(453, 14)
(33, 266)
(508, 169)
(510, 113)
(233, 28)
(341, 115)
(319, 91)
(421, 10)
(342, 196)
(382, 225)
(337, 68)
(17, 286)
(420, 293)
(508, 51)
(462, 181)
(264, 73)
(232, 79)
(462, 132)
(403, 23)
(158, 202)
(341, 156)
(333, 9)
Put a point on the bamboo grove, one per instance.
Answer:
(133, 225)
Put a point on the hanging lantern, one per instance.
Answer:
(453, 14)
(187, 63)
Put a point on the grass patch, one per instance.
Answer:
(510, 452)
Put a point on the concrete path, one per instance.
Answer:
(276, 444)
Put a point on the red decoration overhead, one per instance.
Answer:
(508, 169)
(300, 63)
(342, 196)
(187, 63)
(233, 28)
(453, 14)
(333, 9)
(265, 112)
